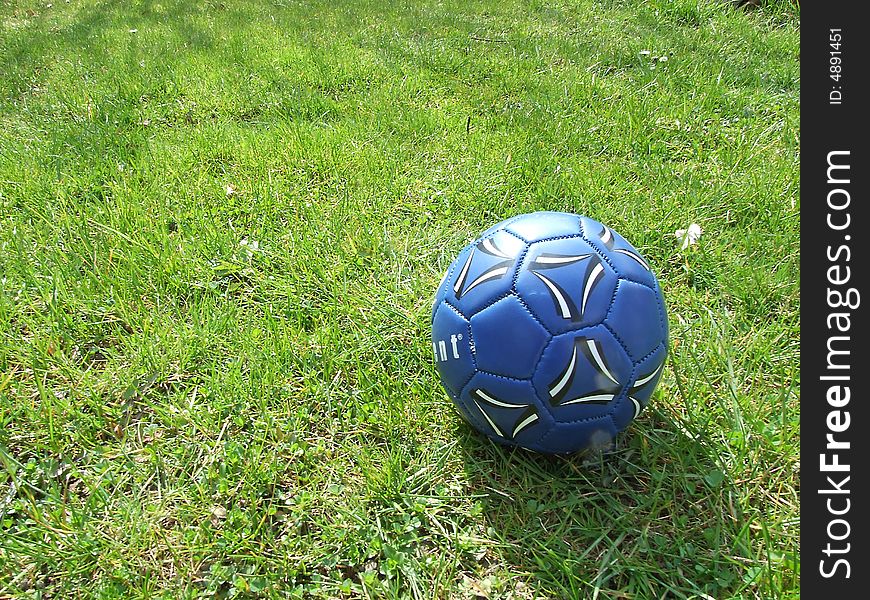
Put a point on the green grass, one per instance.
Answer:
(221, 224)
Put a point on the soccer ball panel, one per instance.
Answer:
(485, 272)
(509, 409)
(636, 319)
(566, 284)
(544, 225)
(563, 438)
(624, 258)
(447, 280)
(451, 346)
(581, 375)
(507, 339)
(500, 226)
(647, 375)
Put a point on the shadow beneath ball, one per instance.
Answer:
(570, 524)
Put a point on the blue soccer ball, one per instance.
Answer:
(550, 332)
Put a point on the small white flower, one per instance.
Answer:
(689, 236)
(230, 189)
(249, 246)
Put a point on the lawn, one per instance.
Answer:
(221, 227)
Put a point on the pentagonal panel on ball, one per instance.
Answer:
(545, 225)
(485, 272)
(507, 339)
(647, 374)
(625, 258)
(509, 409)
(566, 284)
(581, 375)
(637, 318)
(593, 434)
